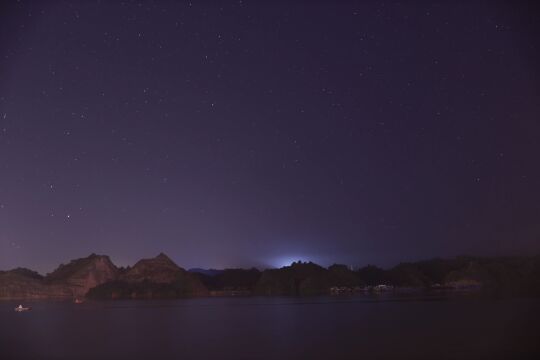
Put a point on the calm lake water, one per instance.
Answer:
(368, 327)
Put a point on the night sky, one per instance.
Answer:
(248, 134)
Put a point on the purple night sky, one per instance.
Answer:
(241, 133)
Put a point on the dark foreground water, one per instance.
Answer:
(384, 327)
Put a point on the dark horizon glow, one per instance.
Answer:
(237, 135)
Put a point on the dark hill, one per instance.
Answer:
(301, 278)
(82, 274)
(157, 277)
(231, 280)
(160, 269)
(22, 283)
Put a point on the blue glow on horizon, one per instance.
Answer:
(287, 260)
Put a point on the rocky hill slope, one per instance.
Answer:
(25, 284)
(80, 275)
(157, 277)
(97, 277)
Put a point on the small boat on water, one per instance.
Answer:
(20, 308)
(78, 301)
